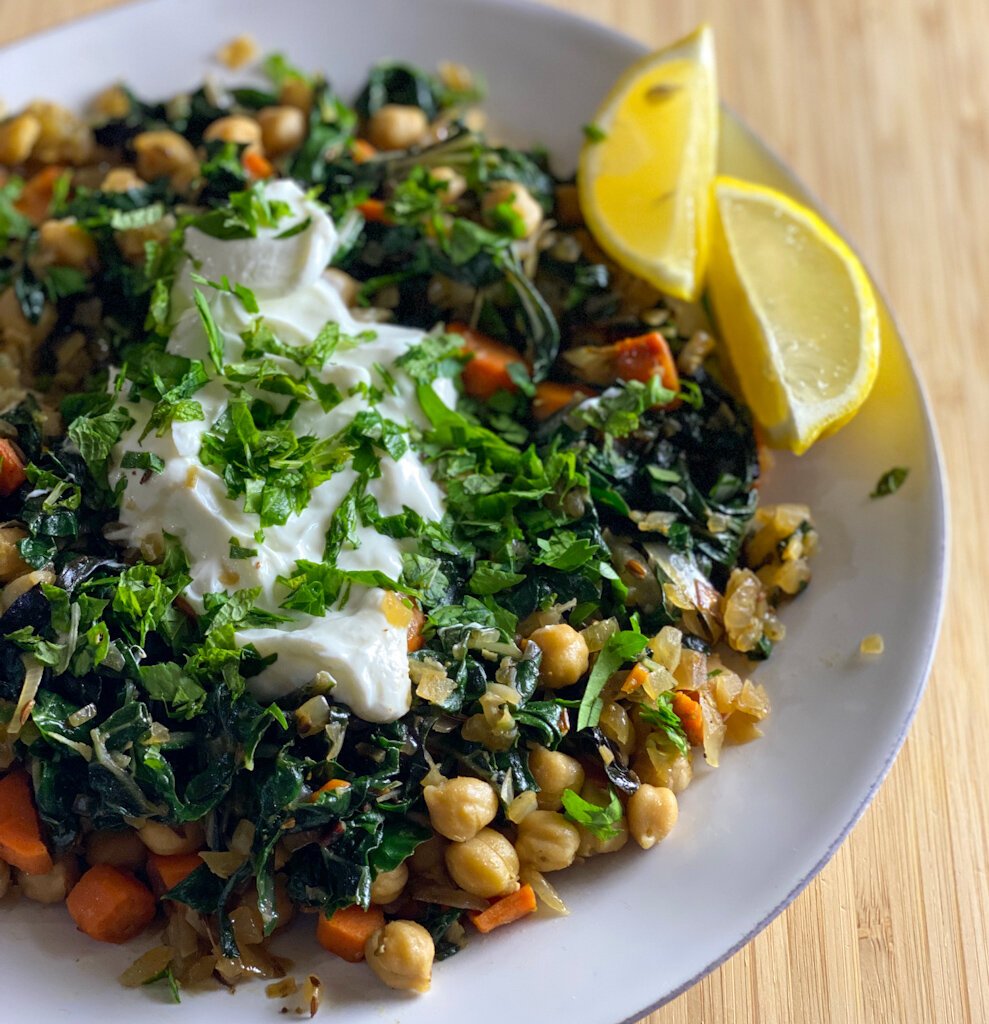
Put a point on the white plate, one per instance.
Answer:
(751, 835)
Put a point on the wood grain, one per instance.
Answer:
(882, 106)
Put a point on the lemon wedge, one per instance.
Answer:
(796, 311)
(645, 173)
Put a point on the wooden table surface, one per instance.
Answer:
(882, 107)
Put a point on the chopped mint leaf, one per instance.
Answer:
(621, 647)
(489, 578)
(142, 460)
(279, 68)
(663, 718)
(237, 551)
(169, 683)
(213, 335)
(246, 296)
(601, 822)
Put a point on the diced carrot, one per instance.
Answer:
(362, 151)
(487, 370)
(505, 910)
(414, 634)
(21, 844)
(36, 196)
(346, 931)
(552, 396)
(110, 904)
(166, 871)
(638, 675)
(375, 211)
(688, 711)
(12, 473)
(256, 165)
(646, 356)
(327, 786)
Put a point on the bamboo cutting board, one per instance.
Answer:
(882, 107)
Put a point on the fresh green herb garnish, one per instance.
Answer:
(601, 822)
(663, 718)
(890, 482)
(621, 647)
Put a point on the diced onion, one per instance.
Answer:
(224, 864)
(281, 989)
(522, 805)
(243, 837)
(597, 633)
(447, 896)
(147, 966)
(312, 716)
(549, 899)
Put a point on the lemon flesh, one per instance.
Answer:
(796, 311)
(644, 187)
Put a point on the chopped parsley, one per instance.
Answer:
(890, 482)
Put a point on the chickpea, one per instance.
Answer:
(388, 885)
(459, 808)
(485, 866)
(64, 137)
(244, 131)
(591, 845)
(554, 772)
(674, 772)
(120, 179)
(166, 154)
(296, 92)
(65, 244)
(428, 860)
(72, 361)
(54, 886)
(4, 878)
(132, 242)
(11, 563)
(446, 293)
(547, 841)
(528, 214)
(347, 286)
(282, 129)
(19, 338)
(565, 655)
(396, 126)
(454, 183)
(401, 955)
(118, 849)
(238, 52)
(112, 103)
(17, 138)
(164, 840)
(652, 813)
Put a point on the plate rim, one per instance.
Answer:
(938, 478)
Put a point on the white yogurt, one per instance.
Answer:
(360, 649)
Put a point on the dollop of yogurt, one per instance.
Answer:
(361, 645)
